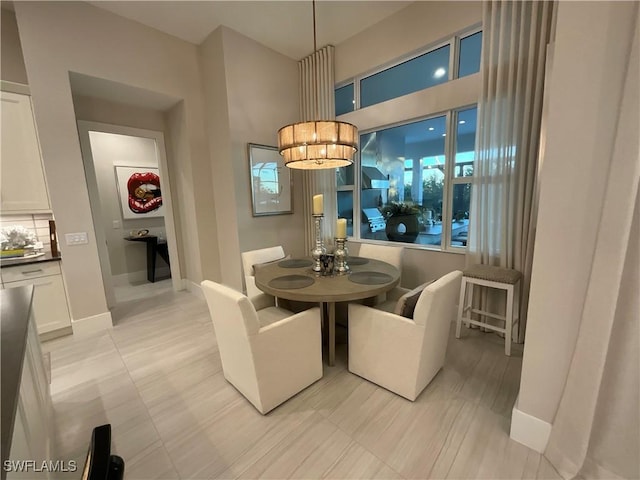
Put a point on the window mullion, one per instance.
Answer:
(448, 189)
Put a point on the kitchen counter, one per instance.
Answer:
(12, 262)
(15, 311)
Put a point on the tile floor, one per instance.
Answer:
(157, 378)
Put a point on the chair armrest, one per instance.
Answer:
(396, 292)
(262, 300)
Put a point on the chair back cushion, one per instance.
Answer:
(406, 304)
(234, 320)
(385, 253)
(254, 257)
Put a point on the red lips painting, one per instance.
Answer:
(144, 192)
(140, 192)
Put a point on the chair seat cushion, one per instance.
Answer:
(387, 306)
(493, 274)
(406, 304)
(270, 315)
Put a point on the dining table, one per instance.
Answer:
(293, 279)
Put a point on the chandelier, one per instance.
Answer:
(317, 144)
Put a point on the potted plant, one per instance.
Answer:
(402, 221)
(14, 239)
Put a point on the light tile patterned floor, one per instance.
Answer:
(157, 378)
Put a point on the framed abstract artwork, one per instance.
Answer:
(139, 192)
(270, 181)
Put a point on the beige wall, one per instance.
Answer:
(11, 62)
(579, 144)
(58, 38)
(124, 257)
(256, 73)
(251, 91)
(413, 28)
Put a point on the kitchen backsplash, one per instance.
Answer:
(37, 223)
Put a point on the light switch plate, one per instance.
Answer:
(116, 224)
(78, 238)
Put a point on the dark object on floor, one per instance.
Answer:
(100, 464)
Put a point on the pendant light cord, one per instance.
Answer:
(315, 69)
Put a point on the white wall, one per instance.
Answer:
(108, 151)
(415, 27)
(585, 96)
(58, 38)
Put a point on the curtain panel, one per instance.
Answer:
(317, 79)
(503, 206)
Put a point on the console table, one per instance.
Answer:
(154, 248)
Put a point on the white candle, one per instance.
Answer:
(341, 228)
(318, 204)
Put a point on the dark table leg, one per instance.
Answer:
(328, 311)
(152, 247)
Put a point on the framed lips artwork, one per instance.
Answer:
(139, 191)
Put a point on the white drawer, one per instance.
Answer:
(24, 272)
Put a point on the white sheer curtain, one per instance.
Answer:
(317, 103)
(596, 431)
(503, 206)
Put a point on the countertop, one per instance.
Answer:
(19, 261)
(14, 319)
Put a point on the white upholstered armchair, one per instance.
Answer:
(403, 354)
(268, 355)
(255, 257)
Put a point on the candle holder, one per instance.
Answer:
(319, 249)
(341, 253)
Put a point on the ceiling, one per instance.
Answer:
(284, 26)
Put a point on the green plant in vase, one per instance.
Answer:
(402, 221)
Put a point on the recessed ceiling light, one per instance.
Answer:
(444, 134)
(462, 122)
(431, 129)
(440, 72)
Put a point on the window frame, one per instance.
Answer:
(452, 74)
(451, 118)
(450, 180)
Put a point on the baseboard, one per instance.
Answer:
(529, 430)
(139, 276)
(93, 324)
(61, 332)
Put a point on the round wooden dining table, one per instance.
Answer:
(293, 279)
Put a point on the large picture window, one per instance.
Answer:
(414, 182)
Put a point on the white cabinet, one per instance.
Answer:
(22, 183)
(49, 298)
(33, 425)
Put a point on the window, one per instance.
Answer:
(412, 181)
(418, 72)
(415, 183)
(470, 51)
(345, 99)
